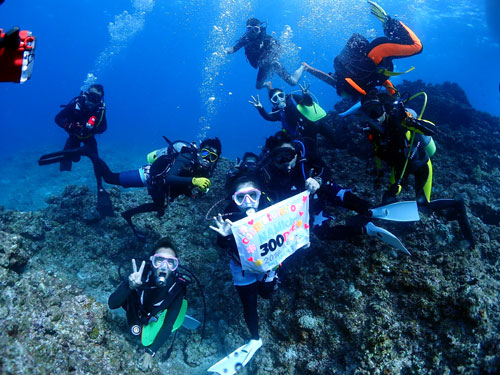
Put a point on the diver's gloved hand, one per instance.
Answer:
(201, 183)
(135, 278)
(229, 50)
(145, 361)
(312, 185)
(223, 226)
(420, 126)
(256, 102)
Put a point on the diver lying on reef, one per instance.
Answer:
(263, 53)
(300, 115)
(289, 166)
(404, 141)
(364, 65)
(153, 297)
(172, 172)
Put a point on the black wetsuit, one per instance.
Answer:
(248, 293)
(143, 304)
(73, 118)
(294, 122)
(284, 184)
(174, 181)
(392, 140)
(361, 66)
(263, 53)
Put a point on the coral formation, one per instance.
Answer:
(342, 308)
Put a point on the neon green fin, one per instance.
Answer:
(312, 113)
(378, 11)
(388, 73)
(150, 331)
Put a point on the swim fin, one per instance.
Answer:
(378, 11)
(58, 156)
(104, 205)
(235, 361)
(399, 211)
(386, 236)
(190, 323)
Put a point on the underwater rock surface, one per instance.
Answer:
(345, 307)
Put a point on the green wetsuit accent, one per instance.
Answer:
(428, 184)
(150, 331)
(430, 148)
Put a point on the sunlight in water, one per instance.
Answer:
(123, 27)
(226, 29)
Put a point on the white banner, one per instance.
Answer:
(268, 237)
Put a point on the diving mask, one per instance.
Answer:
(247, 197)
(160, 261)
(209, 155)
(253, 29)
(278, 99)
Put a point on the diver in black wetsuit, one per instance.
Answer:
(364, 65)
(169, 176)
(290, 166)
(300, 115)
(83, 118)
(247, 198)
(263, 53)
(246, 195)
(152, 293)
(404, 142)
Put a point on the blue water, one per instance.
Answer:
(164, 73)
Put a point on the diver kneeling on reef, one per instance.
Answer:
(245, 191)
(263, 53)
(404, 141)
(153, 298)
(172, 171)
(364, 65)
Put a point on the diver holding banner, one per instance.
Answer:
(267, 237)
(255, 252)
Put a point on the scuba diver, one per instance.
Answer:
(300, 115)
(362, 66)
(288, 167)
(83, 118)
(175, 170)
(153, 298)
(263, 53)
(404, 141)
(244, 188)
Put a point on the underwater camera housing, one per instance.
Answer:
(17, 55)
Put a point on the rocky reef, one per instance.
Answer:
(346, 307)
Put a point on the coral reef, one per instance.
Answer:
(349, 307)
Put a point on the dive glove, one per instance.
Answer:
(201, 183)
